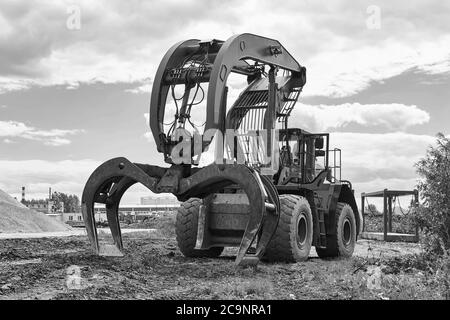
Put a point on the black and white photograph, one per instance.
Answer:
(231, 157)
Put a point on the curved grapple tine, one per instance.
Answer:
(271, 217)
(112, 209)
(107, 184)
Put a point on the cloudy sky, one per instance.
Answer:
(75, 80)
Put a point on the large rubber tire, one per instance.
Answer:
(293, 238)
(186, 231)
(342, 243)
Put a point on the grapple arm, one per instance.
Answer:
(215, 61)
(111, 180)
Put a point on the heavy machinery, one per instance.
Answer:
(271, 190)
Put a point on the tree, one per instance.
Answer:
(433, 216)
(371, 209)
(34, 202)
(71, 202)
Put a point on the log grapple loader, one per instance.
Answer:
(272, 191)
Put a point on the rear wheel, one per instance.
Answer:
(293, 238)
(342, 242)
(186, 231)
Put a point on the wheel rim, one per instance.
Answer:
(347, 232)
(302, 230)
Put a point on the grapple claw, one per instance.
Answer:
(107, 184)
(266, 227)
(113, 178)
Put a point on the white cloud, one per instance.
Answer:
(53, 137)
(373, 162)
(392, 116)
(38, 175)
(378, 161)
(68, 176)
(149, 137)
(11, 84)
(343, 71)
(124, 42)
(145, 88)
(369, 161)
(381, 184)
(342, 56)
(56, 142)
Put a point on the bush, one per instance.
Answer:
(404, 223)
(433, 215)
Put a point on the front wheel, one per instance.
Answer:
(186, 231)
(293, 238)
(342, 242)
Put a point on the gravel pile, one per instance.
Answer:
(15, 217)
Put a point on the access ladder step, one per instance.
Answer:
(322, 230)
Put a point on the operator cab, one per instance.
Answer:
(304, 156)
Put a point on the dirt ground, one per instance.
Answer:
(153, 268)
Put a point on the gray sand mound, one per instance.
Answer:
(15, 217)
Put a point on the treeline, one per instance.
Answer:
(71, 202)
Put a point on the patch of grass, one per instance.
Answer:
(409, 277)
(256, 288)
(164, 223)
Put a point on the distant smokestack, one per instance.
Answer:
(50, 193)
(23, 194)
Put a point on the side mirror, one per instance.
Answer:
(318, 143)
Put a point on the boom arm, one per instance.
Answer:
(214, 61)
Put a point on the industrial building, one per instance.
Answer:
(150, 206)
(130, 213)
(46, 206)
(150, 201)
